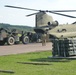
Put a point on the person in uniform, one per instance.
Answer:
(43, 39)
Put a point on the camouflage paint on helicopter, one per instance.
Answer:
(64, 31)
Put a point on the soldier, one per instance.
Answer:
(43, 39)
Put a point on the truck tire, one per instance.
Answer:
(10, 40)
(25, 40)
(2, 43)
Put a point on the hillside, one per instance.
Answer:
(23, 28)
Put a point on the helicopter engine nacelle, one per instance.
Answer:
(52, 24)
(55, 23)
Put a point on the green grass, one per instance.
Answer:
(56, 67)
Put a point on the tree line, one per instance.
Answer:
(18, 27)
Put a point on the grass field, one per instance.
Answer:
(55, 67)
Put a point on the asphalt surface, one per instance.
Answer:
(21, 48)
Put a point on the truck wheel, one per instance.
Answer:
(2, 42)
(25, 40)
(10, 41)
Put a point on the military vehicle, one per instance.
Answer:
(44, 22)
(63, 36)
(12, 37)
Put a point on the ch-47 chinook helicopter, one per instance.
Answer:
(45, 23)
(63, 36)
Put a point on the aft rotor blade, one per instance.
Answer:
(63, 14)
(53, 11)
(62, 10)
(21, 8)
(31, 14)
(39, 10)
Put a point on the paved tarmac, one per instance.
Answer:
(21, 48)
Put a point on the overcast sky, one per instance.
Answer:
(17, 16)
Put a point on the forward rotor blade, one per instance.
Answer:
(21, 8)
(63, 14)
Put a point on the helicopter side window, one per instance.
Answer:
(63, 30)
